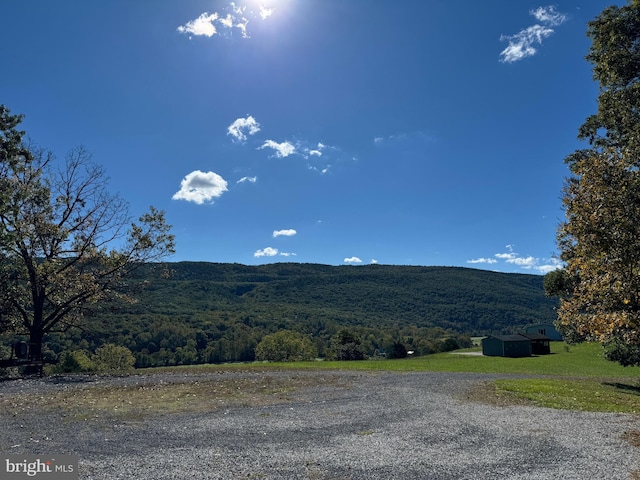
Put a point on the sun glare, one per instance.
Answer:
(266, 8)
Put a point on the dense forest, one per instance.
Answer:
(192, 312)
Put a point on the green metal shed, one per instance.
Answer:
(506, 346)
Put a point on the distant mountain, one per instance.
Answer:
(476, 302)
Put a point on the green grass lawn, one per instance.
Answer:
(575, 377)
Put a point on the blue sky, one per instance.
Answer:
(411, 132)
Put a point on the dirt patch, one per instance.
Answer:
(163, 394)
(487, 393)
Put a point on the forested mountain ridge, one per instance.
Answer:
(190, 312)
(468, 300)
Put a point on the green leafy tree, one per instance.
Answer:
(286, 346)
(345, 345)
(600, 237)
(398, 350)
(66, 243)
(75, 361)
(558, 283)
(114, 358)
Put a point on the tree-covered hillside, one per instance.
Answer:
(209, 312)
(467, 300)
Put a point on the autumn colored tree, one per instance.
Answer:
(600, 237)
(66, 243)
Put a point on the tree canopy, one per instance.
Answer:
(65, 241)
(600, 237)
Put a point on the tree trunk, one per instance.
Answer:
(35, 352)
(35, 345)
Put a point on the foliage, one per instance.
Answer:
(345, 345)
(58, 228)
(558, 283)
(76, 361)
(113, 358)
(600, 238)
(398, 351)
(286, 346)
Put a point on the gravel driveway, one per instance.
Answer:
(334, 425)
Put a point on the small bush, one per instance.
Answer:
(77, 361)
(285, 346)
(113, 358)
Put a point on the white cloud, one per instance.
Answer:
(542, 265)
(239, 20)
(315, 151)
(511, 257)
(483, 260)
(282, 150)
(286, 233)
(203, 25)
(549, 15)
(524, 262)
(200, 187)
(209, 25)
(265, 12)
(322, 171)
(266, 252)
(521, 45)
(227, 21)
(553, 264)
(248, 179)
(374, 261)
(242, 127)
(272, 252)
(352, 260)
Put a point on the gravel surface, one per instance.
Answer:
(332, 425)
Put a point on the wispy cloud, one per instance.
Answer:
(242, 127)
(284, 233)
(247, 179)
(521, 45)
(483, 260)
(510, 256)
(352, 260)
(315, 151)
(200, 187)
(549, 15)
(233, 16)
(320, 157)
(410, 138)
(272, 252)
(322, 170)
(282, 150)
